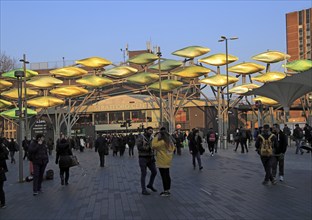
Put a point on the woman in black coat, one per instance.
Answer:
(3, 169)
(195, 146)
(63, 150)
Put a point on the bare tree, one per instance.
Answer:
(6, 63)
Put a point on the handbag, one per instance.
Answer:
(68, 161)
(201, 150)
(74, 161)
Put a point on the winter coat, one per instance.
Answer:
(163, 153)
(38, 153)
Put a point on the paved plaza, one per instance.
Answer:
(229, 187)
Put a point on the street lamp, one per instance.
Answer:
(24, 61)
(223, 38)
(160, 95)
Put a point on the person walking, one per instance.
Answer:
(194, 147)
(179, 138)
(146, 159)
(164, 147)
(63, 150)
(266, 145)
(298, 137)
(279, 154)
(50, 145)
(101, 146)
(12, 149)
(4, 153)
(243, 137)
(25, 145)
(131, 143)
(211, 140)
(38, 152)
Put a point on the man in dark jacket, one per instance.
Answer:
(146, 159)
(298, 137)
(279, 154)
(38, 154)
(101, 146)
(267, 159)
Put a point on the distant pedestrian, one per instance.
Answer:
(211, 140)
(12, 146)
(50, 145)
(25, 146)
(101, 146)
(195, 146)
(63, 150)
(38, 152)
(146, 159)
(298, 137)
(179, 138)
(4, 153)
(266, 145)
(131, 143)
(236, 139)
(164, 147)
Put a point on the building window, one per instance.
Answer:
(101, 118)
(115, 117)
(300, 17)
(127, 115)
(307, 16)
(138, 116)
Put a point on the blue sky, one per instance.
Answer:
(46, 31)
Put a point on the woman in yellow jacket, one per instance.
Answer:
(164, 147)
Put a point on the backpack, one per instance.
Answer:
(266, 147)
(212, 137)
(49, 174)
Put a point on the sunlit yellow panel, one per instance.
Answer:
(12, 113)
(243, 88)
(143, 78)
(192, 72)
(45, 102)
(13, 93)
(4, 103)
(191, 52)
(29, 73)
(299, 65)
(218, 80)
(94, 62)
(44, 81)
(269, 77)
(94, 81)
(167, 65)
(265, 100)
(271, 57)
(69, 91)
(69, 72)
(218, 59)
(166, 85)
(143, 58)
(246, 68)
(5, 84)
(120, 71)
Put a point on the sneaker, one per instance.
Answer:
(35, 193)
(281, 178)
(274, 182)
(144, 192)
(200, 168)
(265, 182)
(152, 188)
(165, 194)
(3, 206)
(66, 183)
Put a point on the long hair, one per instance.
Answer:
(165, 136)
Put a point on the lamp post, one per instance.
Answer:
(19, 112)
(223, 38)
(160, 95)
(25, 94)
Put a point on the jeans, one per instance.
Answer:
(165, 176)
(66, 171)
(102, 158)
(131, 153)
(280, 161)
(298, 145)
(149, 162)
(267, 165)
(211, 146)
(197, 156)
(38, 176)
(2, 195)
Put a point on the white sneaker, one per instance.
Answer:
(281, 178)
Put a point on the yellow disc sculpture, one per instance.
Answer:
(246, 68)
(192, 72)
(241, 89)
(12, 113)
(45, 102)
(94, 62)
(144, 58)
(120, 71)
(11, 74)
(143, 78)
(69, 91)
(94, 81)
(269, 77)
(69, 72)
(299, 65)
(167, 65)
(44, 82)
(166, 85)
(218, 59)
(191, 52)
(4, 104)
(13, 93)
(271, 57)
(5, 84)
(265, 100)
(218, 80)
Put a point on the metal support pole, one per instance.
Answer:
(160, 92)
